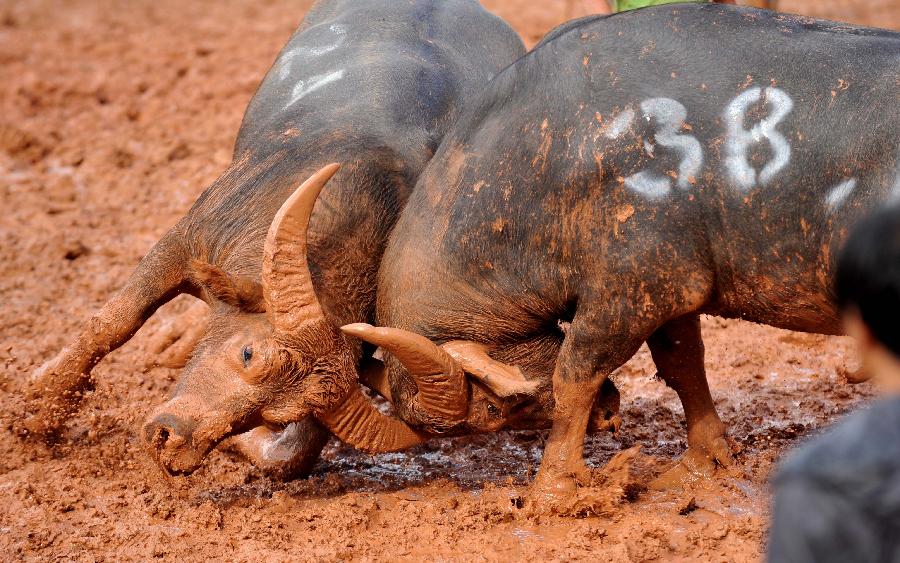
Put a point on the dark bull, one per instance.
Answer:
(629, 174)
(371, 83)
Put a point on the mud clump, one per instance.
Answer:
(616, 484)
(21, 145)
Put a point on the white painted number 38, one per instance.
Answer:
(670, 116)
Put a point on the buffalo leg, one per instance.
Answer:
(677, 350)
(171, 346)
(56, 388)
(586, 359)
(605, 414)
(284, 454)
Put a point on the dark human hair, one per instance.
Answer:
(868, 275)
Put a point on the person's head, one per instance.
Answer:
(867, 286)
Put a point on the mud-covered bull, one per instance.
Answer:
(374, 84)
(629, 174)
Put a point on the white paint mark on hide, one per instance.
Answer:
(840, 193)
(671, 115)
(340, 33)
(619, 125)
(284, 65)
(649, 185)
(308, 51)
(739, 140)
(310, 85)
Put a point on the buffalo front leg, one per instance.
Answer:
(605, 414)
(55, 389)
(284, 454)
(677, 350)
(172, 345)
(586, 359)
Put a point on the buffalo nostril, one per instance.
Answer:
(156, 435)
(161, 438)
(167, 430)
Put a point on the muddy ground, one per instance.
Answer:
(113, 117)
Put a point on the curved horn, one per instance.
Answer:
(853, 376)
(443, 393)
(290, 298)
(359, 423)
(857, 376)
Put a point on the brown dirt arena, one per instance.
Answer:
(113, 118)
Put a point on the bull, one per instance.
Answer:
(613, 185)
(373, 83)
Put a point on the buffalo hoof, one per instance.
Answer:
(551, 494)
(695, 467)
(555, 491)
(51, 398)
(589, 492)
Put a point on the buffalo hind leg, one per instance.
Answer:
(677, 350)
(56, 388)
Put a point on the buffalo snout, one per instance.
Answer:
(170, 439)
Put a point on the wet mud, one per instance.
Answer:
(113, 118)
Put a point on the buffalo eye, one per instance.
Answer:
(247, 354)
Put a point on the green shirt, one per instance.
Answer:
(623, 5)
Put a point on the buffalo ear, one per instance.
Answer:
(238, 291)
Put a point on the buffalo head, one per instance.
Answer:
(271, 357)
